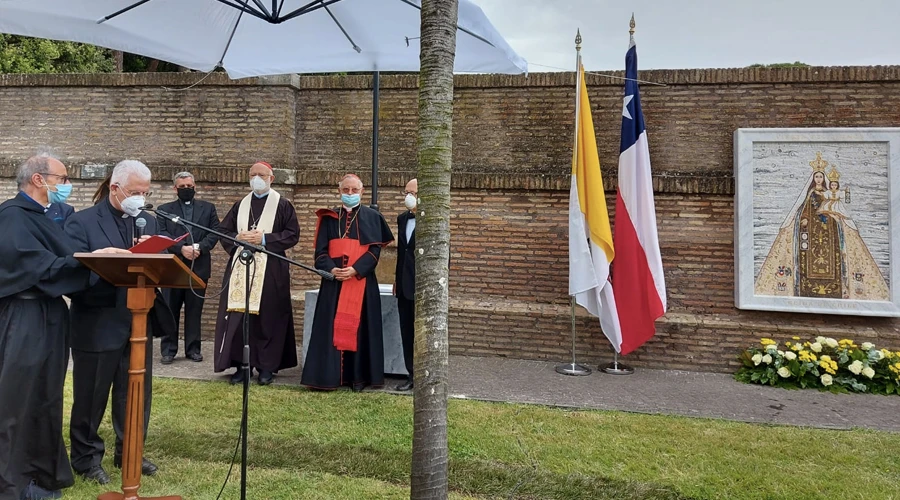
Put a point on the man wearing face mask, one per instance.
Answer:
(102, 323)
(194, 251)
(265, 218)
(346, 346)
(36, 269)
(405, 277)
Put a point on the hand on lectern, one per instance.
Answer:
(110, 250)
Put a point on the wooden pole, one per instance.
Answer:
(140, 300)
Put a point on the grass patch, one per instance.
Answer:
(346, 445)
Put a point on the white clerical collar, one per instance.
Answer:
(261, 195)
(350, 209)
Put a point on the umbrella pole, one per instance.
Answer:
(375, 91)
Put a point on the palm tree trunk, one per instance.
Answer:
(430, 456)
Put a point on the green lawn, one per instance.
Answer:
(346, 445)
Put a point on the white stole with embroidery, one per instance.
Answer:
(236, 284)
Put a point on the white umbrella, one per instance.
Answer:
(263, 37)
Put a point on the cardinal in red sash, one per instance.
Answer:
(346, 345)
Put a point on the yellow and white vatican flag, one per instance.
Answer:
(590, 238)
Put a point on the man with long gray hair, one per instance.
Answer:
(194, 252)
(100, 337)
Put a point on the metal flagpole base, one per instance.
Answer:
(616, 368)
(573, 369)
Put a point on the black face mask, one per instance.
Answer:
(186, 194)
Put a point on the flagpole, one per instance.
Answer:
(615, 368)
(573, 368)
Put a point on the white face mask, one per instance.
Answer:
(258, 185)
(132, 205)
(410, 201)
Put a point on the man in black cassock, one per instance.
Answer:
(263, 218)
(36, 269)
(346, 346)
(194, 251)
(101, 324)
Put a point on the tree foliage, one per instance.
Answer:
(20, 54)
(795, 64)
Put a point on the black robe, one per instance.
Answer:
(35, 259)
(325, 367)
(272, 341)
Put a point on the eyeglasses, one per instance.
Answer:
(404, 193)
(148, 194)
(348, 190)
(63, 178)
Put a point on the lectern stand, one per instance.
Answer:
(142, 274)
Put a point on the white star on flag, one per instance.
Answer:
(625, 112)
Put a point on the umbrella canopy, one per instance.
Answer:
(262, 37)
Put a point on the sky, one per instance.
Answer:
(673, 34)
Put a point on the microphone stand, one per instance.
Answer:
(246, 258)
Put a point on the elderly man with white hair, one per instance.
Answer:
(102, 322)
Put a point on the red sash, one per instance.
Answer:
(349, 307)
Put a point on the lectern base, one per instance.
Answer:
(118, 495)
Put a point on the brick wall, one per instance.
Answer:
(509, 266)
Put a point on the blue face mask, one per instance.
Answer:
(350, 200)
(61, 194)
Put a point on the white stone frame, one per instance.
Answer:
(744, 273)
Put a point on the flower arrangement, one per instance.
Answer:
(824, 363)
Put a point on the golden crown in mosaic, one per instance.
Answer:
(834, 175)
(818, 164)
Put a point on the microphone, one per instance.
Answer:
(148, 206)
(139, 225)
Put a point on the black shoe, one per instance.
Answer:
(195, 356)
(237, 377)
(167, 360)
(148, 468)
(357, 387)
(405, 386)
(95, 474)
(265, 377)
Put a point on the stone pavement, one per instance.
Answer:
(691, 394)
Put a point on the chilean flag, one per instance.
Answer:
(637, 276)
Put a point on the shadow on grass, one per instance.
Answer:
(467, 475)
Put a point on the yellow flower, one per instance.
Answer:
(796, 338)
(765, 341)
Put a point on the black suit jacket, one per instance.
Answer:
(101, 320)
(405, 274)
(205, 215)
(59, 212)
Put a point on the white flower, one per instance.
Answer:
(757, 359)
(826, 380)
(855, 367)
(868, 372)
(816, 346)
(830, 342)
(866, 346)
(767, 359)
(781, 353)
(784, 372)
(790, 356)
(820, 340)
(772, 347)
(878, 355)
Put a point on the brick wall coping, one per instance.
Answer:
(668, 182)
(710, 76)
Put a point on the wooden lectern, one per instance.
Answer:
(142, 274)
